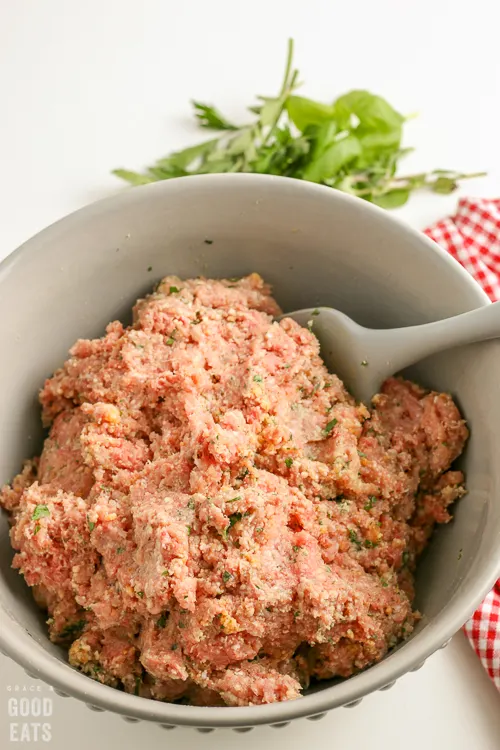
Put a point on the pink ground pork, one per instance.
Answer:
(213, 519)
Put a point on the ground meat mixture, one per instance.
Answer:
(213, 519)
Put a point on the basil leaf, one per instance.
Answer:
(392, 199)
(444, 185)
(303, 112)
(372, 111)
(331, 161)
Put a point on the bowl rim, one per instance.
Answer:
(17, 643)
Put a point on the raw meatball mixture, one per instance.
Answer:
(213, 518)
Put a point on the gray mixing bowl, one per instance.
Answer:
(317, 247)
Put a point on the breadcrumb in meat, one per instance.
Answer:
(213, 519)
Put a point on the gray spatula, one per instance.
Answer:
(364, 357)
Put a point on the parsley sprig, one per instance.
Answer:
(353, 144)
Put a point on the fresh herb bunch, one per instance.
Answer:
(353, 145)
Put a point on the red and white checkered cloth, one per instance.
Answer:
(472, 236)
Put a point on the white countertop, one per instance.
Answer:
(88, 86)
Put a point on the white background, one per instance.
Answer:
(88, 85)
